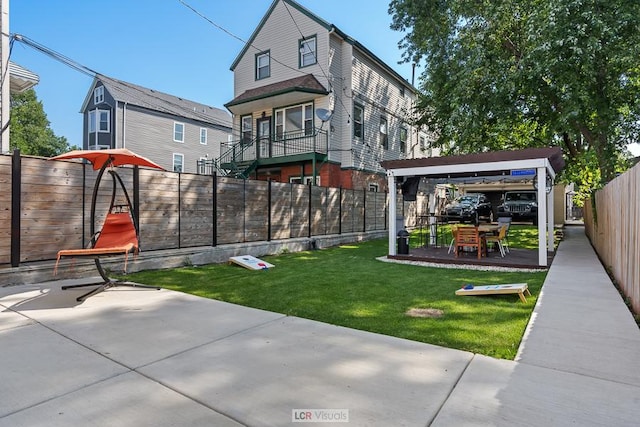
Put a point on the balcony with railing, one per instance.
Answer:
(240, 158)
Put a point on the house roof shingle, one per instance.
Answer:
(307, 83)
(162, 102)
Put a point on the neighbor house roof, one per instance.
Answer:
(20, 78)
(330, 28)
(159, 101)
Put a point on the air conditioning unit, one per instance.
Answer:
(99, 147)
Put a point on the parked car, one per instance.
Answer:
(469, 208)
(520, 205)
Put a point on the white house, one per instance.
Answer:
(312, 104)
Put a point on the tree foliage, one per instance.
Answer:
(30, 131)
(507, 74)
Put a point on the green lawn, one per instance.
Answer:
(347, 286)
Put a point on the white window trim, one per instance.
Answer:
(205, 134)
(174, 131)
(307, 180)
(98, 95)
(173, 162)
(94, 119)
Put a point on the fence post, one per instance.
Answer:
(364, 211)
(340, 211)
(136, 196)
(16, 201)
(214, 220)
(179, 210)
(309, 213)
(269, 211)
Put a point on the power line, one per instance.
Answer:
(245, 42)
(134, 91)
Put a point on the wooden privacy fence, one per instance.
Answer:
(45, 206)
(614, 231)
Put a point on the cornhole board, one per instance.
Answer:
(250, 262)
(513, 288)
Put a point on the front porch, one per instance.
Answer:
(240, 158)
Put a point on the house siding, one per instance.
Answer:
(151, 133)
(381, 96)
(283, 49)
(351, 74)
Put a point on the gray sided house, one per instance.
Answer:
(173, 132)
(312, 104)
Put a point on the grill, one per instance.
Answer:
(518, 208)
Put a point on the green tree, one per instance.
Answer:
(30, 131)
(506, 74)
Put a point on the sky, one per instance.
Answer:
(163, 45)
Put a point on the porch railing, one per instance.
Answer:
(239, 158)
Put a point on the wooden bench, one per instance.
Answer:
(513, 288)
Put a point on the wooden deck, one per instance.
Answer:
(516, 258)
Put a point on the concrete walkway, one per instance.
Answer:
(132, 357)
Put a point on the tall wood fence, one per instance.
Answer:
(614, 230)
(45, 206)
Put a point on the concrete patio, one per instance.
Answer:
(144, 357)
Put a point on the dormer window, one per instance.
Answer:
(308, 55)
(98, 95)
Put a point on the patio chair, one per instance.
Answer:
(454, 228)
(505, 220)
(118, 236)
(498, 240)
(468, 237)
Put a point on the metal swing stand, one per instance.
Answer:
(107, 281)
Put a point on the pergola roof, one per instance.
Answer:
(479, 164)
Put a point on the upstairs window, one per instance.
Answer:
(99, 121)
(308, 52)
(384, 133)
(403, 139)
(203, 136)
(263, 65)
(178, 132)
(98, 95)
(358, 121)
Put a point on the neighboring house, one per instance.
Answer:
(173, 132)
(313, 105)
(20, 80)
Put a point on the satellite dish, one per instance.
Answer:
(323, 114)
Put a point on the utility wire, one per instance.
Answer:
(133, 90)
(245, 42)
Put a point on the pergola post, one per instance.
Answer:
(541, 176)
(392, 212)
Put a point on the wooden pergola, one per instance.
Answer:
(546, 162)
